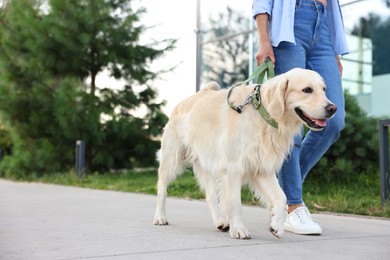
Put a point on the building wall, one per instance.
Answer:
(364, 101)
(357, 72)
(380, 96)
(371, 92)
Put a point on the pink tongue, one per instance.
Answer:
(321, 123)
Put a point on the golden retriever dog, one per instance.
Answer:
(227, 150)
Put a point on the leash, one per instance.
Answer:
(266, 68)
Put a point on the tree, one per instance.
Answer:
(226, 61)
(50, 57)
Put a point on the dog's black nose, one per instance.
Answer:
(330, 110)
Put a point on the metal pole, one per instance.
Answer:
(384, 159)
(352, 2)
(198, 46)
(251, 41)
(360, 57)
(80, 157)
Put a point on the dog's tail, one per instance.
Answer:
(212, 86)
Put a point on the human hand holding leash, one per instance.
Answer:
(265, 50)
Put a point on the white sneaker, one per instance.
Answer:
(300, 222)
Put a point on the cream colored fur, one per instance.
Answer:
(228, 150)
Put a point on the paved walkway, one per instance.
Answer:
(40, 221)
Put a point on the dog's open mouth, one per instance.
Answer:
(313, 123)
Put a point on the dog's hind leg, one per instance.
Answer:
(171, 165)
(211, 185)
(266, 187)
(223, 200)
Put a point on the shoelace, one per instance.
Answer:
(303, 215)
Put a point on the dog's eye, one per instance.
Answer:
(307, 90)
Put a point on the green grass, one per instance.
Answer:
(361, 197)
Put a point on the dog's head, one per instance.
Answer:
(301, 93)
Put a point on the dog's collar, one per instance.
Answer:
(256, 101)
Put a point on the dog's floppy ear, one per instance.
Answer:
(277, 97)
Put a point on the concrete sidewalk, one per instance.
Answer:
(40, 221)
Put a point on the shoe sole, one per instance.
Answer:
(302, 232)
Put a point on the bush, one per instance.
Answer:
(356, 152)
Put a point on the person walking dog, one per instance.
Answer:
(305, 34)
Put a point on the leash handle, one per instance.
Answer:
(266, 67)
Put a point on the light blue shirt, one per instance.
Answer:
(282, 27)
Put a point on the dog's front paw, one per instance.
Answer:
(239, 232)
(276, 226)
(160, 220)
(276, 232)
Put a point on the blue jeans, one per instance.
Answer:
(313, 50)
